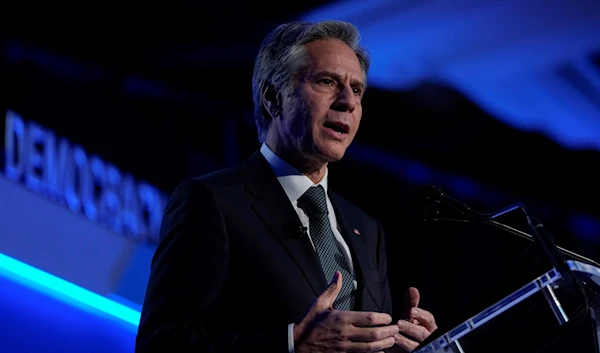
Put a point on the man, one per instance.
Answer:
(246, 253)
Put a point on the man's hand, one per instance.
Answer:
(325, 329)
(417, 324)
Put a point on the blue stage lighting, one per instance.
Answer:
(64, 290)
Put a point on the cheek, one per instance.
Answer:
(311, 115)
(299, 125)
(306, 118)
(292, 119)
(357, 117)
(318, 114)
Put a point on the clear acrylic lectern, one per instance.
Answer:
(555, 311)
(530, 318)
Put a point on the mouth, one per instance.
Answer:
(337, 127)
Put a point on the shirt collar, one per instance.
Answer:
(294, 183)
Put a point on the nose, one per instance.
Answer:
(346, 100)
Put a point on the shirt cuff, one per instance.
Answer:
(291, 338)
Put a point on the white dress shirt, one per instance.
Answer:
(295, 184)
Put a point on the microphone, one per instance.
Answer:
(295, 229)
(303, 231)
(437, 195)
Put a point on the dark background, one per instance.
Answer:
(163, 90)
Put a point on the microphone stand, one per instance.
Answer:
(539, 236)
(554, 252)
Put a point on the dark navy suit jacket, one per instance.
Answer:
(232, 269)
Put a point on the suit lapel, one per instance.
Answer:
(358, 248)
(277, 213)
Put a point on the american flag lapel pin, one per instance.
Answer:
(356, 231)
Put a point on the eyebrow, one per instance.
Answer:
(353, 82)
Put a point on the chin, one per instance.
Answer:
(332, 153)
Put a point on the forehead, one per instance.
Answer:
(333, 55)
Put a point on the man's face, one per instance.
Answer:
(321, 116)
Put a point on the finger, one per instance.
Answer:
(412, 297)
(375, 346)
(405, 343)
(424, 317)
(411, 300)
(366, 319)
(417, 332)
(327, 298)
(370, 334)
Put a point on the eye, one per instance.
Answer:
(327, 81)
(357, 90)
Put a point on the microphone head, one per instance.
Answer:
(439, 201)
(432, 192)
(431, 205)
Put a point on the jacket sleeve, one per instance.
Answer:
(188, 273)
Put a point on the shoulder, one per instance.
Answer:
(222, 178)
(212, 182)
(201, 198)
(223, 181)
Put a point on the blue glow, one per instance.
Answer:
(63, 65)
(585, 227)
(35, 322)
(69, 292)
(508, 62)
(582, 225)
(419, 173)
(463, 187)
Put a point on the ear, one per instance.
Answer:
(271, 100)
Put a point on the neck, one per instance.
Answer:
(311, 167)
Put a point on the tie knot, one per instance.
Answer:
(313, 201)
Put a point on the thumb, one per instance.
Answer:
(411, 300)
(331, 293)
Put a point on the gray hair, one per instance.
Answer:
(282, 57)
